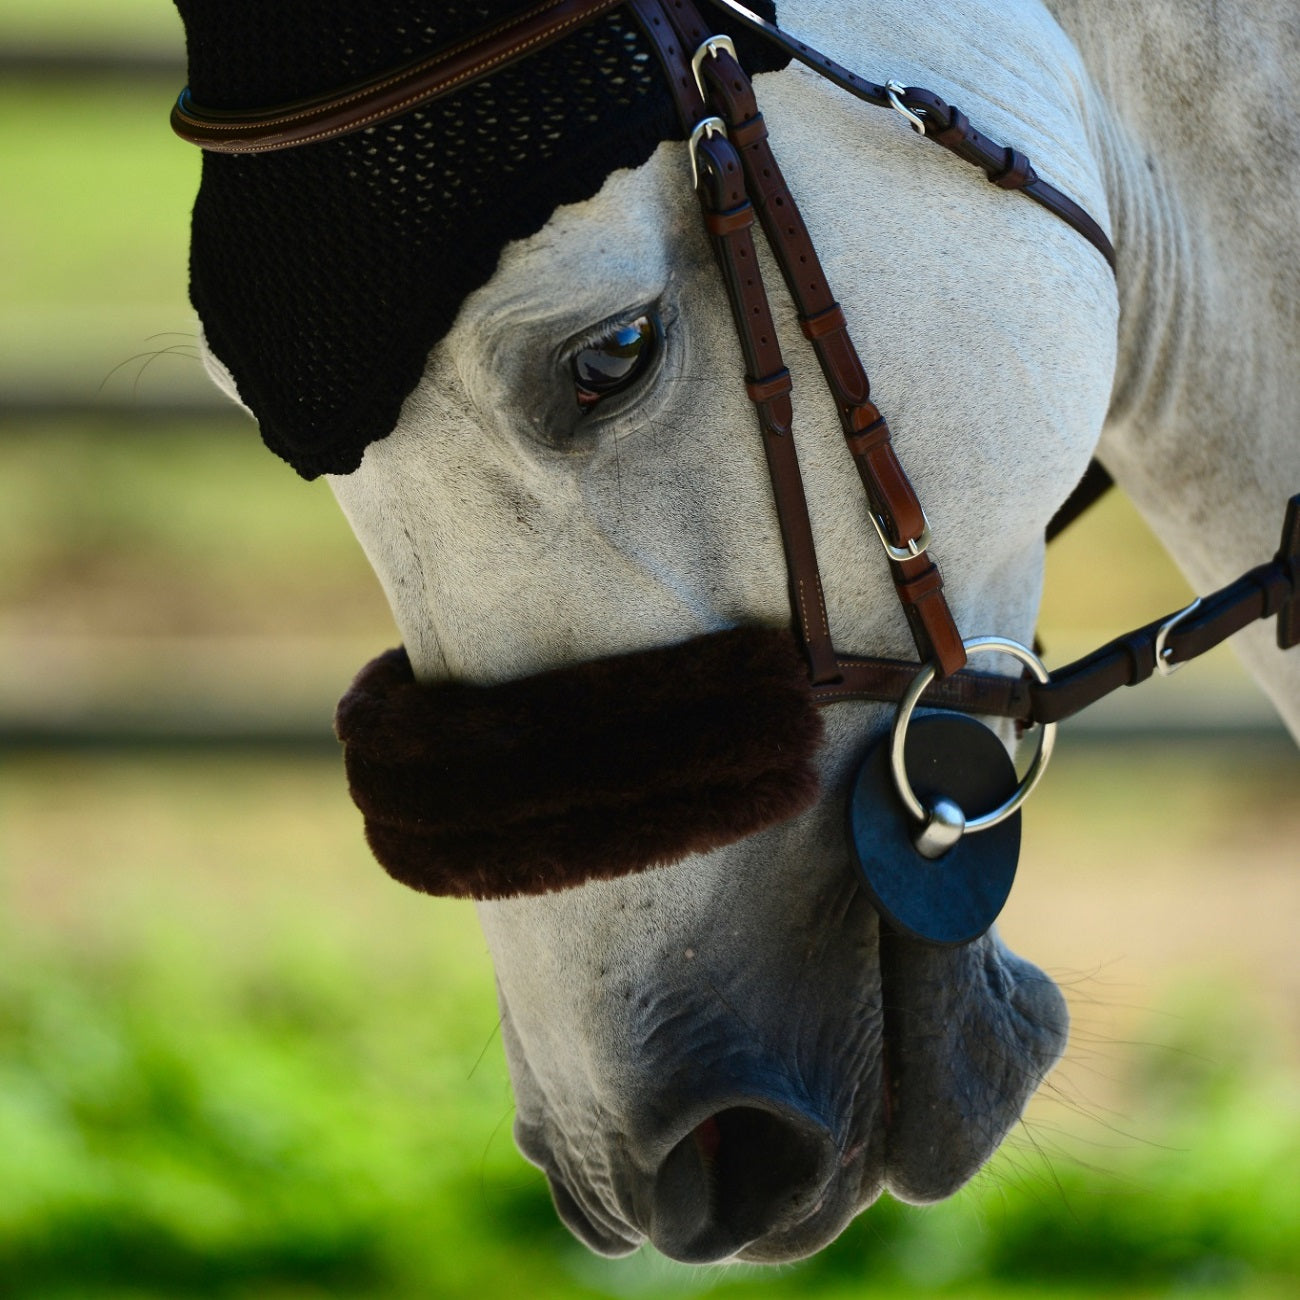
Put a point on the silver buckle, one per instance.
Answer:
(895, 90)
(707, 126)
(1163, 652)
(709, 49)
(917, 546)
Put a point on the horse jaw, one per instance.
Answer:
(659, 1026)
(755, 982)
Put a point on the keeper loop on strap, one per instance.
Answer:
(868, 425)
(1140, 654)
(822, 323)
(1016, 174)
(724, 223)
(751, 131)
(770, 386)
(864, 442)
(955, 133)
(926, 582)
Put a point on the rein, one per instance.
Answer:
(739, 183)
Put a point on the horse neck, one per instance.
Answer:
(1189, 105)
(1185, 107)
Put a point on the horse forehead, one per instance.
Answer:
(868, 188)
(985, 323)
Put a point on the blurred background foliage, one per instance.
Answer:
(236, 1061)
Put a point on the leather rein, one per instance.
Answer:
(739, 181)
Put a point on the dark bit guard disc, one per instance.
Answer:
(957, 897)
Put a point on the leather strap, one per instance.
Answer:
(1267, 591)
(676, 30)
(943, 123)
(1288, 560)
(1094, 485)
(889, 491)
(729, 218)
(379, 98)
(368, 102)
(1271, 590)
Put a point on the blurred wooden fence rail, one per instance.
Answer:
(106, 363)
(59, 691)
(58, 61)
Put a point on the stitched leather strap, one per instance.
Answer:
(393, 93)
(889, 491)
(943, 123)
(677, 30)
(399, 91)
(729, 217)
(1271, 590)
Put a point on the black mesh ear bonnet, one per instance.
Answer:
(324, 274)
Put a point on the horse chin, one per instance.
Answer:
(907, 1084)
(599, 1238)
(971, 1033)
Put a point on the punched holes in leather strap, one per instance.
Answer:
(729, 87)
(726, 223)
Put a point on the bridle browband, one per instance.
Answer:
(400, 90)
(738, 182)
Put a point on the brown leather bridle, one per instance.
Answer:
(738, 180)
(396, 780)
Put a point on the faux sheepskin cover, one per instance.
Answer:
(582, 773)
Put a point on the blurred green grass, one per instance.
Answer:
(128, 25)
(112, 528)
(235, 1060)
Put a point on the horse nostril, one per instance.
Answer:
(740, 1174)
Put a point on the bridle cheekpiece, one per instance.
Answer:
(423, 785)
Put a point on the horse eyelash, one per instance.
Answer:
(601, 330)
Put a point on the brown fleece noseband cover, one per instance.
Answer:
(582, 773)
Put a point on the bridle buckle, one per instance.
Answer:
(896, 90)
(911, 549)
(1164, 654)
(709, 49)
(705, 127)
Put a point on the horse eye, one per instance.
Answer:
(613, 362)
